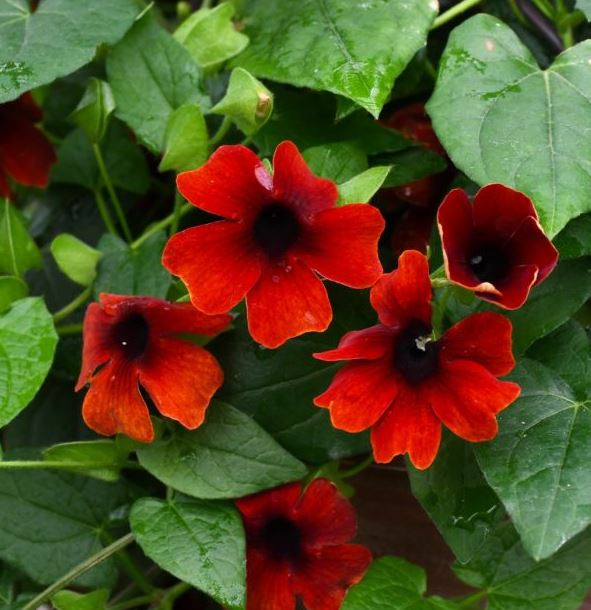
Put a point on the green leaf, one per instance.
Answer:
(393, 584)
(512, 580)
(210, 36)
(69, 600)
(123, 270)
(502, 119)
(567, 351)
(538, 463)
(228, 457)
(186, 144)
(53, 521)
(574, 240)
(151, 75)
(201, 543)
(18, 251)
(457, 498)
(75, 258)
(363, 187)
(101, 459)
(352, 56)
(338, 162)
(11, 289)
(94, 109)
(247, 102)
(57, 39)
(27, 345)
(585, 6)
(412, 164)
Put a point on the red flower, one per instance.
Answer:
(133, 341)
(496, 246)
(26, 155)
(296, 546)
(403, 384)
(278, 233)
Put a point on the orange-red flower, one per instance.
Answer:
(404, 384)
(26, 155)
(297, 547)
(135, 341)
(495, 246)
(278, 233)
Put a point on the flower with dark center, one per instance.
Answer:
(495, 246)
(297, 546)
(26, 155)
(279, 234)
(134, 341)
(403, 384)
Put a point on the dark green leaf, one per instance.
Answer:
(58, 38)
(75, 258)
(27, 345)
(457, 498)
(339, 161)
(123, 270)
(186, 144)
(11, 289)
(151, 75)
(69, 600)
(201, 543)
(52, 521)
(502, 119)
(412, 164)
(18, 251)
(229, 456)
(538, 463)
(357, 53)
(575, 239)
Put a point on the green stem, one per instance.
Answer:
(220, 134)
(101, 204)
(59, 465)
(518, 14)
(440, 311)
(545, 8)
(172, 594)
(469, 601)
(351, 472)
(144, 600)
(158, 226)
(454, 12)
(64, 330)
(176, 213)
(110, 189)
(72, 306)
(132, 570)
(78, 570)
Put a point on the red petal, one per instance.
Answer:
(499, 211)
(405, 294)
(216, 261)
(268, 583)
(181, 378)
(25, 153)
(408, 426)
(279, 501)
(4, 188)
(96, 349)
(513, 291)
(294, 183)
(233, 183)
(324, 516)
(367, 344)
(342, 245)
(325, 576)
(484, 338)
(287, 301)
(359, 394)
(114, 403)
(467, 398)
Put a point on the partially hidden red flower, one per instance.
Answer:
(495, 246)
(403, 384)
(297, 547)
(134, 341)
(279, 232)
(26, 155)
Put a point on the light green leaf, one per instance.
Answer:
(210, 36)
(338, 162)
(201, 543)
(502, 119)
(94, 109)
(75, 258)
(18, 251)
(538, 463)
(326, 45)
(228, 457)
(55, 40)
(27, 345)
(11, 289)
(363, 187)
(186, 144)
(151, 75)
(69, 600)
(585, 6)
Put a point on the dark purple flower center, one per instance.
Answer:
(416, 356)
(131, 334)
(488, 263)
(276, 229)
(282, 538)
